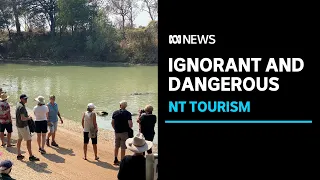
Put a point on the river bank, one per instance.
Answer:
(76, 61)
(66, 161)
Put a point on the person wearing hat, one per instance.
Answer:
(5, 119)
(5, 170)
(90, 130)
(121, 122)
(147, 122)
(134, 167)
(22, 119)
(41, 113)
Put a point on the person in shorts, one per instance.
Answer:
(147, 122)
(1, 92)
(90, 130)
(53, 120)
(22, 118)
(5, 119)
(121, 122)
(41, 113)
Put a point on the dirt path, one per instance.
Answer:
(66, 161)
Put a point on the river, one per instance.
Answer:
(76, 86)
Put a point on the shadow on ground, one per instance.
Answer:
(64, 151)
(14, 150)
(38, 167)
(54, 158)
(104, 164)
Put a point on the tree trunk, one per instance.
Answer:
(123, 25)
(150, 13)
(149, 10)
(9, 33)
(52, 24)
(16, 16)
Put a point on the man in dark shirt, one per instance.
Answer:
(121, 122)
(147, 122)
(134, 167)
(22, 119)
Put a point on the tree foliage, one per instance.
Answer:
(77, 30)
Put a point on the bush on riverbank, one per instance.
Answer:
(140, 45)
(76, 30)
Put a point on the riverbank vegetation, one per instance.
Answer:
(78, 30)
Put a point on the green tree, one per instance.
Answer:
(48, 8)
(74, 14)
(102, 43)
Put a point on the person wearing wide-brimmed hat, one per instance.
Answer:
(5, 119)
(41, 113)
(134, 167)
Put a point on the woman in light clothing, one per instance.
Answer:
(90, 130)
(41, 121)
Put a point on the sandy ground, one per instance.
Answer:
(64, 162)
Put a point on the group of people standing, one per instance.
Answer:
(133, 167)
(46, 117)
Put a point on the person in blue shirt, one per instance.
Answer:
(53, 120)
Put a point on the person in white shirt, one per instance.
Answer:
(41, 113)
(90, 130)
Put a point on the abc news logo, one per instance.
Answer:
(192, 39)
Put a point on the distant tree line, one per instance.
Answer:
(78, 30)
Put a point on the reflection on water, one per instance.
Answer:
(76, 86)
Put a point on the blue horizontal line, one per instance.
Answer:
(238, 121)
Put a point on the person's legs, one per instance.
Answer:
(54, 136)
(9, 139)
(53, 133)
(25, 132)
(38, 131)
(85, 144)
(123, 153)
(43, 140)
(85, 147)
(39, 140)
(9, 131)
(116, 148)
(49, 134)
(2, 128)
(19, 147)
(20, 137)
(124, 137)
(44, 130)
(2, 138)
(95, 148)
(29, 147)
(149, 137)
(48, 139)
